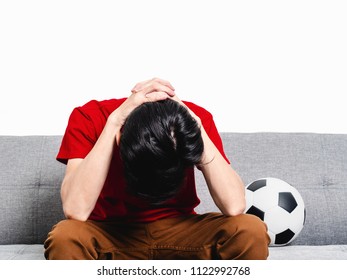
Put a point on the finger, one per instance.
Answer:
(164, 82)
(177, 99)
(145, 84)
(156, 96)
(139, 86)
(155, 86)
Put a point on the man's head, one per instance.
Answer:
(159, 141)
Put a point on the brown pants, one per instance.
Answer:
(208, 236)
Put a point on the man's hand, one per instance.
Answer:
(154, 85)
(147, 91)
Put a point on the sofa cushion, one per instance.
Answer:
(22, 252)
(328, 252)
(303, 252)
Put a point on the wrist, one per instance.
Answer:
(210, 150)
(206, 161)
(113, 125)
(114, 121)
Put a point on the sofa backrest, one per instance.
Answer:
(316, 164)
(30, 180)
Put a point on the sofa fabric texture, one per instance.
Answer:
(315, 164)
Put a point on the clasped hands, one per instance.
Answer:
(147, 91)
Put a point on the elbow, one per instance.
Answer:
(75, 214)
(235, 209)
(233, 212)
(73, 209)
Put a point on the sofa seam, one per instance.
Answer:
(38, 190)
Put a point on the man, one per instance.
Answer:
(129, 190)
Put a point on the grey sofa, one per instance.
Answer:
(316, 164)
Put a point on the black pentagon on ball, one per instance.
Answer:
(287, 201)
(256, 185)
(256, 211)
(284, 237)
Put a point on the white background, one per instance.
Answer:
(88, 270)
(256, 65)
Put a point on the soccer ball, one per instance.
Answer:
(279, 205)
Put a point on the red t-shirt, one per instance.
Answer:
(84, 128)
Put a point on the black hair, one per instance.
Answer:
(159, 141)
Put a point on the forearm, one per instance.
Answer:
(84, 181)
(225, 185)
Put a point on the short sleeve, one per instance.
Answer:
(212, 132)
(79, 137)
(209, 126)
